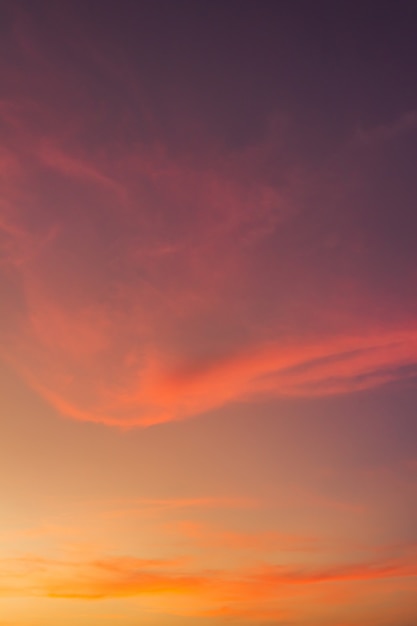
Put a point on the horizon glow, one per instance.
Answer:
(208, 337)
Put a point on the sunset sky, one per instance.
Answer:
(208, 313)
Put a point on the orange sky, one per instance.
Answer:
(208, 337)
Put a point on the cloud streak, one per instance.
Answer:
(148, 282)
(255, 593)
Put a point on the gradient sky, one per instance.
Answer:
(208, 313)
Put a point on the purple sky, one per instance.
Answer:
(208, 331)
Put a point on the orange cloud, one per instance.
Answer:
(137, 506)
(262, 542)
(149, 282)
(156, 390)
(269, 592)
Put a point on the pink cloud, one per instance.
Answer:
(157, 282)
(158, 332)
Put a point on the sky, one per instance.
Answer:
(208, 314)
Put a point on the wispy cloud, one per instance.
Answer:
(159, 282)
(406, 123)
(209, 536)
(258, 593)
(130, 508)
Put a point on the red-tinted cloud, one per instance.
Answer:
(256, 593)
(149, 280)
